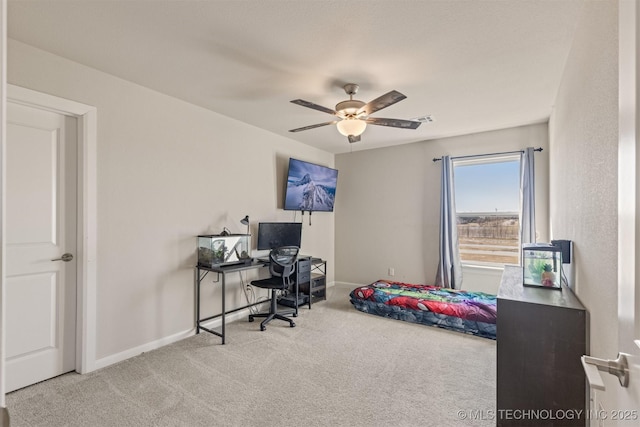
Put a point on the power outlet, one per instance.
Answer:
(392, 271)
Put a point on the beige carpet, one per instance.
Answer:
(337, 367)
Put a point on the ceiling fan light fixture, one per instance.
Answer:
(353, 127)
(353, 115)
(349, 108)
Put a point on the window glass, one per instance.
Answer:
(487, 192)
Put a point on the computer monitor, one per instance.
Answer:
(276, 234)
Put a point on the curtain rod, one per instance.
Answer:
(436, 159)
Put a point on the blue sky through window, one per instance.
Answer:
(487, 187)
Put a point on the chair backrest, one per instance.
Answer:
(282, 261)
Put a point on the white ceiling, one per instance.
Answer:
(474, 65)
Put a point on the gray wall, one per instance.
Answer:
(387, 207)
(584, 147)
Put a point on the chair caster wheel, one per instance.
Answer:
(295, 315)
(262, 328)
(292, 325)
(250, 318)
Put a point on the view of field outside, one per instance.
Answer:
(487, 205)
(489, 238)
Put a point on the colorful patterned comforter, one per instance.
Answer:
(462, 311)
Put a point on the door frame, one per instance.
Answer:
(86, 229)
(628, 177)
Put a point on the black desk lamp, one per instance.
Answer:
(245, 221)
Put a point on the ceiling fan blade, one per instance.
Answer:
(308, 104)
(353, 138)
(382, 102)
(313, 126)
(395, 123)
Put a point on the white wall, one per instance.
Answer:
(387, 206)
(583, 170)
(167, 171)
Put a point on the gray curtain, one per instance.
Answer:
(449, 266)
(527, 197)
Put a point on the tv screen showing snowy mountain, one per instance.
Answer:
(310, 187)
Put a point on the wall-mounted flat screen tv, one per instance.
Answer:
(277, 234)
(310, 187)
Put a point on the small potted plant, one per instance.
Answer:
(548, 277)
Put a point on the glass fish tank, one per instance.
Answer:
(542, 265)
(217, 250)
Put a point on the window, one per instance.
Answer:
(487, 193)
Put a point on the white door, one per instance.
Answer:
(40, 228)
(627, 399)
(618, 405)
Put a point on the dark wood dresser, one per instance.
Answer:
(541, 335)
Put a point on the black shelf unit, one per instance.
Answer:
(312, 279)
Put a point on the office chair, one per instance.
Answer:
(282, 265)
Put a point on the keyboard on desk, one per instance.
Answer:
(266, 259)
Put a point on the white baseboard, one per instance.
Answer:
(153, 345)
(135, 351)
(352, 285)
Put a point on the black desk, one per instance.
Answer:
(221, 271)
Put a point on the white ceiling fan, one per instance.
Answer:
(354, 114)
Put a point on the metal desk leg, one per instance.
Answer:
(297, 293)
(198, 301)
(224, 297)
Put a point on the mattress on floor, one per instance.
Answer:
(469, 312)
